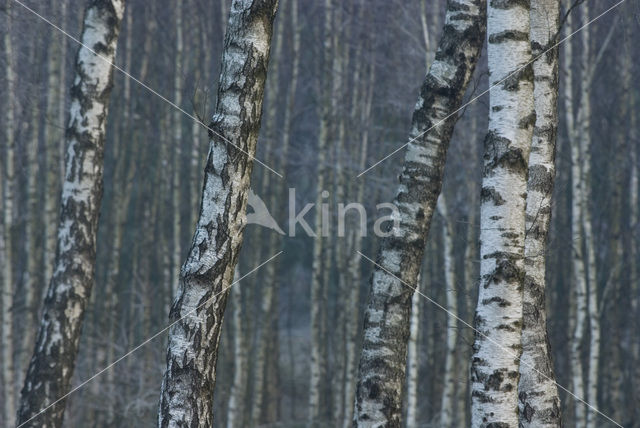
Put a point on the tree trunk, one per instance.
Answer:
(413, 359)
(498, 320)
(587, 223)
(53, 360)
(176, 204)
(265, 329)
(353, 264)
(238, 395)
(54, 120)
(8, 183)
(386, 325)
(198, 308)
(578, 271)
(450, 369)
(537, 391)
(318, 369)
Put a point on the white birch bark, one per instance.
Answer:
(236, 407)
(537, 391)
(579, 294)
(447, 415)
(413, 359)
(8, 183)
(176, 204)
(386, 325)
(51, 366)
(189, 380)
(587, 223)
(498, 318)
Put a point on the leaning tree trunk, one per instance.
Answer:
(537, 391)
(498, 319)
(386, 325)
(53, 360)
(197, 312)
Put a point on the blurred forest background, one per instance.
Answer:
(361, 63)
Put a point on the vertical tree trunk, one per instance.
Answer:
(537, 391)
(318, 369)
(413, 359)
(587, 223)
(386, 325)
(578, 271)
(498, 319)
(353, 264)
(177, 149)
(8, 183)
(198, 309)
(54, 120)
(265, 330)
(32, 227)
(470, 278)
(53, 360)
(450, 369)
(237, 397)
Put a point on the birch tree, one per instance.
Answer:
(537, 391)
(51, 366)
(498, 318)
(579, 293)
(197, 312)
(386, 324)
(318, 369)
(8, 184)
(449, 383)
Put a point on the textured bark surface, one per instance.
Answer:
(187, 388)
(537, 392)
(498, 318)
(53, 360)
(386, 324)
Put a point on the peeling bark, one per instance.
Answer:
(386, 324)
(187, 388)
(537, 392)
(53, 360)
(498, 318)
